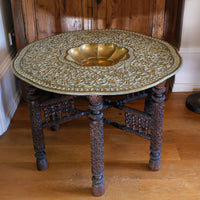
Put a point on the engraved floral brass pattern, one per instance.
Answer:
(44, 64)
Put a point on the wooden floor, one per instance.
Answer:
(126, 160)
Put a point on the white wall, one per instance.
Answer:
(188, 78)
(9, 93)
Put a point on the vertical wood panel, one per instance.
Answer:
(100, 14)
(87, 6)
(29, 20)
(45, 18)
(130, 15)
(71, 15)
(158, 19)
(18, 19)
(141, 16)
(173, 21)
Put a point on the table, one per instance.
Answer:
(98, 64)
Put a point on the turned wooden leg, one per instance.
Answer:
(37, 130)
(158, 99)
(97, 144)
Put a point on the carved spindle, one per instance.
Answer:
(140, 125)
(146, 127)
(72, 104)
(127, 119)
(46, 115)
(133, 121)
(158, 99)
(53, 113)
(66, 107)
(37, 130)
(97, 144)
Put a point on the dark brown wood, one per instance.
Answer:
(173, 22)
(61, 108)
(157, 104)
(97, 144)
(34, 20)
(148, 103)
(19, 24)
(172, 30)
(158, 19)
(37, 129)
(125, 14)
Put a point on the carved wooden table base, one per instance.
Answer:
(147, 124)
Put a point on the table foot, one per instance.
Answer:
(97, 144)
(42, 164)
(154, 163)
(97, 186)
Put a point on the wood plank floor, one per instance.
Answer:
(126, 159)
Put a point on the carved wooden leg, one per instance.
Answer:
(37, 130)
(97, 144)
(158, 99)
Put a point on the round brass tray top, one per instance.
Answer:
(100, 62)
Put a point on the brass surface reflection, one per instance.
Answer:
(92, 54)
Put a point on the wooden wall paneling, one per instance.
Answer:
(100, 14)
(173, 21)
(46, 18)
(141, 16)
(18, 19)
(130, 15)
(71, 14)
(28, 8)
(158, 19)
(172, 30)
(114, 14)
(58, 16)
(87, 7)
(20, 35)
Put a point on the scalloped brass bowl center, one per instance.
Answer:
(102, 54)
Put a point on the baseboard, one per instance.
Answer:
(189, 50)
(186, 87)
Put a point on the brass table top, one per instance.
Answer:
(100, 62)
